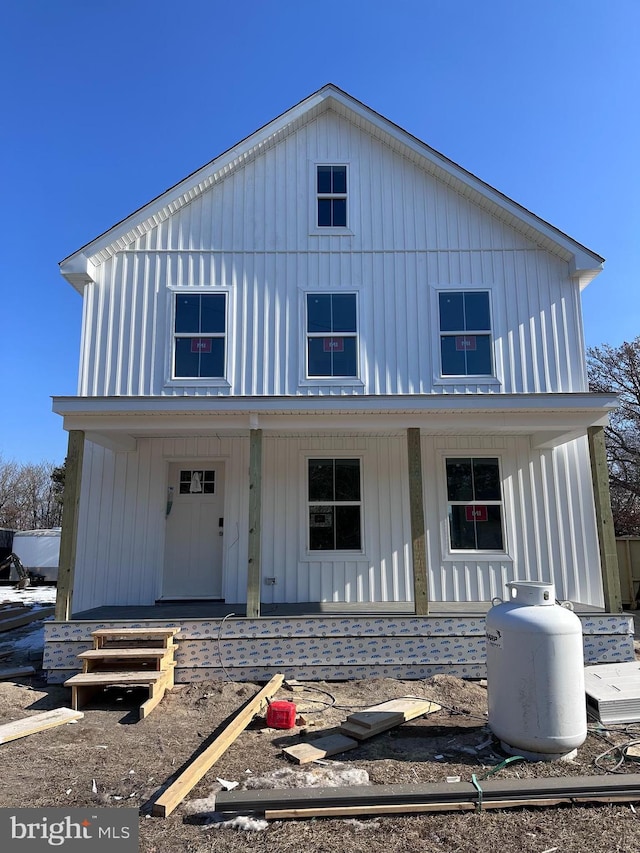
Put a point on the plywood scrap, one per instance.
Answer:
(197, 768)
(16, 672)
(304, 753)
(38, 723)
(380, 718)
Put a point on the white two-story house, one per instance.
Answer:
(330, 375)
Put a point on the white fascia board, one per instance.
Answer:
(327, 97)
(79, 270)
(344, 404)
(197, 182)
(549, 419)
(582, 257)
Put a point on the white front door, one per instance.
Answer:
(194, 528)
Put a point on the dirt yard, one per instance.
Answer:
(109, 758)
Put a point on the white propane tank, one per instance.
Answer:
(535, 674)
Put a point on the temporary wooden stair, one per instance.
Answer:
(126, 657)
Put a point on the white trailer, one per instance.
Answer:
(39, 552)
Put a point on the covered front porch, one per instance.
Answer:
(403, 608)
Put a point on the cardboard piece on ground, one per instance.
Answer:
(38, 723)
(303, 753)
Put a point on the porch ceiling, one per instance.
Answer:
(549, 419)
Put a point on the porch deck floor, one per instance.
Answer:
(220, 609)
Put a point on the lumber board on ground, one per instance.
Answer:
(32, 616)
(406, 707)
(517, 792)
(197, 768)
(16, 672)
(304, 753)
(380, 718)
(37, 723)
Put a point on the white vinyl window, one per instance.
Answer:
(475, 505)
(331, 190)
(199, 335)
(334, 505)
(332, 335)
(465, 333)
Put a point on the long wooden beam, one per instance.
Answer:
(194, 772)
(389, 799)
(69, 535)
(416, 511)
(604, 521)
(255, 523)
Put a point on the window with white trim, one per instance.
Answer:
(332, 335)
(331, 189)
(335, 505)
(199, 335)
(465, 333)
(474, 498)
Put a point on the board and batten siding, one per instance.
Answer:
(382, 573)
(549, 521)
(121, 531)
(549, 524)
(251, 235)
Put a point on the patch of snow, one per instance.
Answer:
(39, 595)
(246, 824)
(319, 777)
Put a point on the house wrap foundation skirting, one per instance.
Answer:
(331, 648)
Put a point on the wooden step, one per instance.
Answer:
(115, 678)
(122, 659)
(85, 684)
(112, 664)
(163, 635)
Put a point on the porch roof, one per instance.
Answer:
(549, 419)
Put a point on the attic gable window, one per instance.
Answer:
(465, 333)
(331, 188)
(199, 335)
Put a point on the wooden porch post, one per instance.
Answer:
(416, 508)
(69, 535)
(255, 515)
(604, 520)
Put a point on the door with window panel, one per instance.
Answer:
(194, 531)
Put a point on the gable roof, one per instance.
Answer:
(78, 268)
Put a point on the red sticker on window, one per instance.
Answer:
(476, 513)
(200, 344)
(333, 344)
(465, 343)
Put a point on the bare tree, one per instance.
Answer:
(617, 370)
(30, 495)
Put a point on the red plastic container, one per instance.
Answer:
(281, 715)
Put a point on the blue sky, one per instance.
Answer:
(107, 103)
